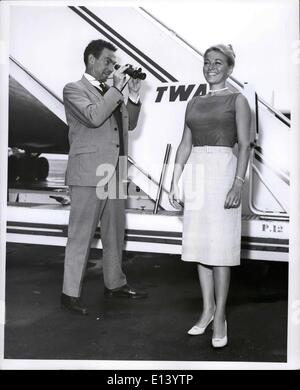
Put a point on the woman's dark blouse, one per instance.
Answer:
(211, 120)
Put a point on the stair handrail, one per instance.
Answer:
(35, 79)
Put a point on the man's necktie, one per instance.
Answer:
(101, 87)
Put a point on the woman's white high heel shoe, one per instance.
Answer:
(197, 330)
(220, 342)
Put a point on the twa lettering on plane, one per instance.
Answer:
(181, 92)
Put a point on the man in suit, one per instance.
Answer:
(98, 133)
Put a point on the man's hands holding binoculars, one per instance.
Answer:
(120, 79)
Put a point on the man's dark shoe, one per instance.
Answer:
(125, 292)
(72, 305)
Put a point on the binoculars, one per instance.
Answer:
(134, 73)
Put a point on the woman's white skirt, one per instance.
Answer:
(211, 233)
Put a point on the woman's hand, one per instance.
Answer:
(174, 198)
(234, 196)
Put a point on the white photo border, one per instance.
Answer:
(293, 348)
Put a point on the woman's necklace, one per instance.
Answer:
(217, 90)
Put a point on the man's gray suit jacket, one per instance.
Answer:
(93, 131)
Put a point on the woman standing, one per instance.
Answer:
(214, 123)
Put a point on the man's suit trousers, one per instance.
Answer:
(86, 211)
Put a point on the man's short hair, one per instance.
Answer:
(96, 47)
